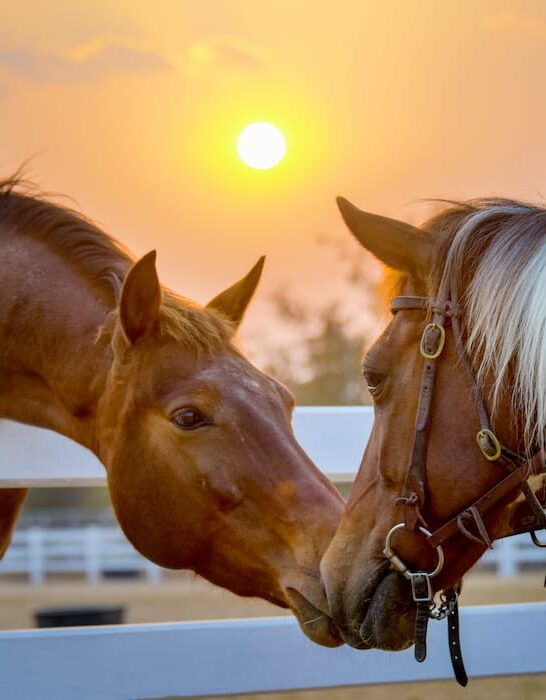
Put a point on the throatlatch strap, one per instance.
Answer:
(455, 644)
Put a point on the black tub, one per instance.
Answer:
(77, 616)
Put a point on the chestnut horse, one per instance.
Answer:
(447, 430)
(203, 469)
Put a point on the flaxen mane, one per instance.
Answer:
(497, 249)
(102, 260)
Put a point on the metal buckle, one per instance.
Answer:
(489, 445)
(418, 582)
(398, 564)
(440, 342)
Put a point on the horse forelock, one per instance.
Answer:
(204, 330)
(496, 248)
(104, 262)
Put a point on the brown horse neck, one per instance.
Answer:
(54, 362)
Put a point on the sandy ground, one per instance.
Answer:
(183, 597)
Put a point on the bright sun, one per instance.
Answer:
(261, 145)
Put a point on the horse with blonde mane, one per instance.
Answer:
(458, 381)
(203, 469)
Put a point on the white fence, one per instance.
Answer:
(97, 551)
(237, 656)
(333, 437)
(242, 656)
(94, 550)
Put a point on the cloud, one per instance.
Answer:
(517, 24)
(229, 52)
(88, 61)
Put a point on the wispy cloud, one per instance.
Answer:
(516, 23)
(99, 57)
(229, 52)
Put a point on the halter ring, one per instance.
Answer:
(398, 564)
(437, 345)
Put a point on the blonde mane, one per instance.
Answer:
(497, 250)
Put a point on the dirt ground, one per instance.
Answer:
(183, 597)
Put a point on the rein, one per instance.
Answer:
(446, 312)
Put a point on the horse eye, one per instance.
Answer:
(373, 380)
(189, 418)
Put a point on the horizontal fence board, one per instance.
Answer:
(333, 436)
(95, 549)
(245, 656)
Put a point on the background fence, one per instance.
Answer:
(236, 656)
(98, 552)
(334, 437)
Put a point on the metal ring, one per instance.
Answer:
(441, 341)
(486, 433)
(399, 564)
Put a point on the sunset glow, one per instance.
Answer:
(134, 111)
(261, 145)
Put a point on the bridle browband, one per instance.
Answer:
(446, 311)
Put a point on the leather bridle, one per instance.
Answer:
(446, 312)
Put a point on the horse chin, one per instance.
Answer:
(382, 616)
(389, 621)
(315, 623)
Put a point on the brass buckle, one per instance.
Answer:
(489, 445)
(441, 341)
(398, 564)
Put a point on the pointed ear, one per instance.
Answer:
(140, 299)
(234, 301)
(399, 245)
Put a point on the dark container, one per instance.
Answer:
(77, 616)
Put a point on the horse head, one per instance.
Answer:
(453, 377)
(203, 468)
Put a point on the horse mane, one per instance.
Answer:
(497, 250)
(103, 261)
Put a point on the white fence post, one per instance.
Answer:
(92, 553)
(508, 559)
(35, 539)
(153, 572)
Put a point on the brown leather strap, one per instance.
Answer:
(483, 504)
(463, 357)
(420, 585)
(454, 642)
(473, 514)
(523, 517)
(413, 496)
(408, 303)
(415, 487)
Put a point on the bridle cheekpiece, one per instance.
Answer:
(446, 312)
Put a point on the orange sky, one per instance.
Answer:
(133, 109)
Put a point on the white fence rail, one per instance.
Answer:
(237, 656)
(96, 552)
(334, 437)
(93, 550)
(243, 656)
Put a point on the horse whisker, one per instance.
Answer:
(315, 619)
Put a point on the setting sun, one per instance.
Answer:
(261, 145)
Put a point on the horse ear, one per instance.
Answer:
(140, 299)
(396, 243)
(233, 301)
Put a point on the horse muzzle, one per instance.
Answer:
(378, 615)
(315, 623)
